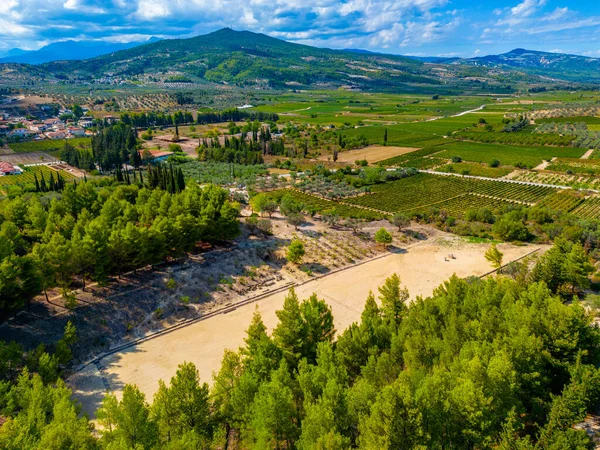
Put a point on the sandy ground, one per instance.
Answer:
(422, 268)
(587, 154)
(372, 154)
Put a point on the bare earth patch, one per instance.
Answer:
(372, 154)
(422, 266)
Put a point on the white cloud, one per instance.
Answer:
(152, 9)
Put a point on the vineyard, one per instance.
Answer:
(412, 156)
(426, 190)
(574, 165)
(28, 176)
(458, 205)
(566, 200)
(579, 181)
(588, 209)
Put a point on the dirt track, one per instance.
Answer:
(422, 268)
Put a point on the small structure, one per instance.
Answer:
(76, 131)
(8, 169)
(157, 155)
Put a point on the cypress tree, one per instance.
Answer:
(37, 183)
(52, 186)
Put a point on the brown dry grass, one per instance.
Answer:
(373, 154)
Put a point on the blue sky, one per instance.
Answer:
(417, 27)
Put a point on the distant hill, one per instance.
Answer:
(556, 65)
(242, 57)
(67, 50)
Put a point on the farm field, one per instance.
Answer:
(562, 201)
(506, 154)
(426, 190)
(48, 145)
(372, 154)
(589, 208)
(475, 169)
(422, 268)
(28, 176)
(28, 158)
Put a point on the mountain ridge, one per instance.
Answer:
(68, 50)
(245, 58)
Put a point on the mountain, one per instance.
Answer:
(245, 58)
(555, 65)
(67, 50)
(14, 52)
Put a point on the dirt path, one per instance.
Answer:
(587, 154)
(457, 115)
(422, 268)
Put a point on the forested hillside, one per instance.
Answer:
(94, 229)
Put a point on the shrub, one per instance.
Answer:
(295, 251)
(456, 159)
(382, 236)
(495, 163)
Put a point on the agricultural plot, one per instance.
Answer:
(578, 181)
(507, 154)
(458, 205)
(566, 200)
(404, 160)
(588, 209)
(426, 190)
(49, 145)
(28, 176)
(475, 169)
(577, 166)
(320, 205)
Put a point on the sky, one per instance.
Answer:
(462, 28)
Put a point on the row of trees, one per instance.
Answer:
(495, 363)
(157, 119)
(91, 230)
(235, 115)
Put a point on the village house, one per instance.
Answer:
(38, 127)
(51, 122)
(86, 122)
(156, 155)
(76, 132)
(8, 169)
(56, 135)
(20, 132)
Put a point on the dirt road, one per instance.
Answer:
(422, 268)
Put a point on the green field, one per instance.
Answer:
(506, 154)
(48, 145)
(475, 169)
(28, 176)
(425, 190)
